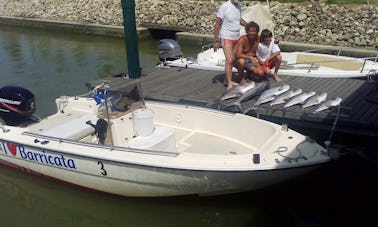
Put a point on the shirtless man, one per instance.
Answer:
(246, 52)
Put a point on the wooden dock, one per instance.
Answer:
(358, 113)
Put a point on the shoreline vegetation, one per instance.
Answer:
(305, 22)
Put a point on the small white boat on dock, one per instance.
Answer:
(327, 66)
(304, 64)
(119, 143)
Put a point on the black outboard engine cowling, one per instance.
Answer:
(169, 50)
(17, 105)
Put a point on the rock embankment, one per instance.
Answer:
(316, 23)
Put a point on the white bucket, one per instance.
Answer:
(143, 122)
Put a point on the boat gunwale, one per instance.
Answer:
(118, 148)
(128, 162)
(233, 171)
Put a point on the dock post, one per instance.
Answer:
(131, 41)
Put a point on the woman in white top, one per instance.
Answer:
(227, 30)
(269, 54)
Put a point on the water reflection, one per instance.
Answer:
(46, 203)
(324, 198)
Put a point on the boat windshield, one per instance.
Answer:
(121, 98)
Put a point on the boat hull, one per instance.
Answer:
(133, 180)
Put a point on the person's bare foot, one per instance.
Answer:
(232, 82)
(276, 77)
(231, 85)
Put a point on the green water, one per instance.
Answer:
(51, 64)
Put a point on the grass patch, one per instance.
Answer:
(339, 2)
(352, 2)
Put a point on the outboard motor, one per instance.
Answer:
(17, 105)
(169, 50)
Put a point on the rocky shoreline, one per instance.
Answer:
(312, 23)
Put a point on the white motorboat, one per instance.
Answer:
(305, 64)
(327, 66)
(114, 141)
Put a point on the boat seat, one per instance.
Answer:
(299, 66)
(161, 139)
(74, 129)
(330, 61)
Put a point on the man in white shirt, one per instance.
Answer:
(227, 30)
(269, 54)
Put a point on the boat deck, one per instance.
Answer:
(358, 113)
(71, 125)
(198, 142)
